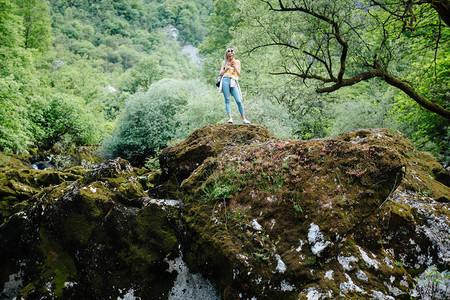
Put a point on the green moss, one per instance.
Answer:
(138, 256)
(154, 177)
(78, 170)
(78, 228)
(10, 161)
(93, 197)
(27, 290)
(9, 200)
(126, 188)
(154, 227)
(401, 210)
(416, 272)
(10, 205)
(58, 266)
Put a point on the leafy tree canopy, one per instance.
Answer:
(341, 43)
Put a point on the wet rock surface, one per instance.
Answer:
(357, 216)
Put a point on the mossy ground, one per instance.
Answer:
(178, 162)
(19, 186)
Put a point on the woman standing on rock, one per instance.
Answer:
(230, 72)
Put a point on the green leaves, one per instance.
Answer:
(96, 55)
(11, 27)
(15, 128)
(147, 122)
(66, 117)
(37, 24)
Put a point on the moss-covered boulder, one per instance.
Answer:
(423, 176)
(326, 218)
(95, 238)
(179, 161)
(19, 182)
(357, 216)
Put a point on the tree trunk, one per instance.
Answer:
(443, 9)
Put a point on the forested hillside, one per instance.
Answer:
(66, 67)
(76, 72)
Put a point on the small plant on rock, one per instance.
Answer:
(218, 190)
(433, 284)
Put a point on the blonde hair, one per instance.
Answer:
(229, 50)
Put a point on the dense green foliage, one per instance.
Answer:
(147, 122)
(15, 127)
(172, 109)
(77, 72)
(67, 67)
(205, 106)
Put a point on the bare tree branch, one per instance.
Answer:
(404, 10)
(304, 76)
(391, 80)
(335, 26)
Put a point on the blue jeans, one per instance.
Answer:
(227, 90)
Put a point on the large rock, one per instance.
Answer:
(19, 182)
(181, 160)
(354, 216)
(95, 238)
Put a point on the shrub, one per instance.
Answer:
(207, 107)
(274, 116)
(172, 109)
(147, 122)
(367, 110)
(68, 118)
(204, 106)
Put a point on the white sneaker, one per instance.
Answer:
(245, 121)
(230, 120)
